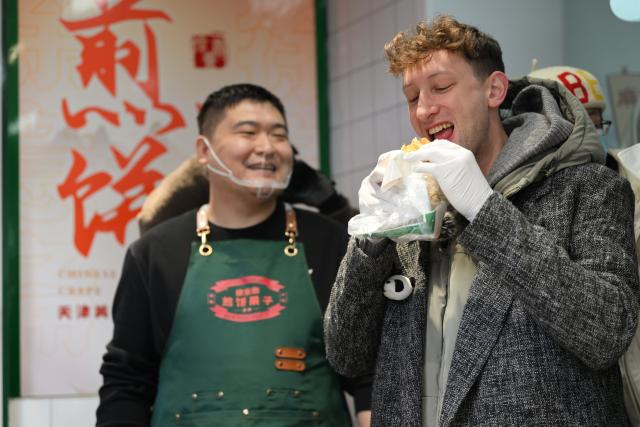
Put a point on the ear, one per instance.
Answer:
(497, 89)
(202, 151)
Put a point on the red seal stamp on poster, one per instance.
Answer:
(209, 50)
(247, 299)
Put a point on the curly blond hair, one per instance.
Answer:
(408, 49)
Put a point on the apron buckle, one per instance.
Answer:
(291, 249)
(291, 231)
(290, 359)
(205, 248)
(290, 365)
(202, 230)
(291, 353)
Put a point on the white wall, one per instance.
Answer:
(58, 412)
(368, 114)
(594, 39)
(525, 29)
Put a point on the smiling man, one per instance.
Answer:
(218, 313)
(521, 316)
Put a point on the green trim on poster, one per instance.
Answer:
(10, 210)
(324, 140)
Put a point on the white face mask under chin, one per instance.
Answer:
(264, 187)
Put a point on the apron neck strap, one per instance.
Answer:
(290, 232)
(203, 229)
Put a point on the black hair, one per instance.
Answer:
(214, 106)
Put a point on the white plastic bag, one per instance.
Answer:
(401, 209)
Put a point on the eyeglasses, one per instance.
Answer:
(603, 127)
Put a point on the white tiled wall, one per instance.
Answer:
(58, 412)
(368, 112)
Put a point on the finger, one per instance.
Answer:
(377, 175)
(426, 167)
(384, 156)
(427, 149)
(369, 186)
(437, 151)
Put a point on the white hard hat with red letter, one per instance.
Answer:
(581, 83)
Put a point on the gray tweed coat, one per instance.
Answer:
(554, 302)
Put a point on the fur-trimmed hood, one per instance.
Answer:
(186, 188)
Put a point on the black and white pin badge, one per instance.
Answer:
(398, 287)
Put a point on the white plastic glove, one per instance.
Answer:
(456, 170)
(370, 196)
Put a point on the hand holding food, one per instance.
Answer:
(456, 170)
(435, 194)
(370, 194)
(395, 203)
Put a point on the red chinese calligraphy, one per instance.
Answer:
(247, 299)
(83, 311)
(102, 311)
(134, 184)
(64, 312)
(102, 54)
(79, 119)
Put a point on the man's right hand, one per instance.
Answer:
(370, 195)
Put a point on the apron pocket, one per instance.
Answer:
(249, 406)
(251, 418)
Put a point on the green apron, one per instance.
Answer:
(246, 345)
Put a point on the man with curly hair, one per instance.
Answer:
(520, 317)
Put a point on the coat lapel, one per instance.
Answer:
(482, 320)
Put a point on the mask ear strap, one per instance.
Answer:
(215, 157)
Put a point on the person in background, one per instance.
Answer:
(218, 312)
(521, 317)
(586, 87)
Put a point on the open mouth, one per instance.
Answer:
(441, 131)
